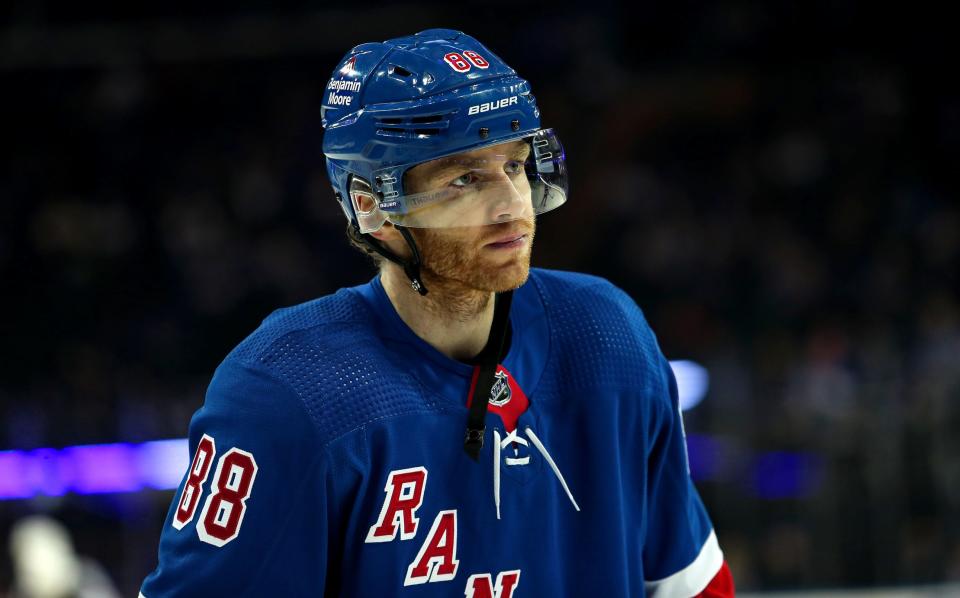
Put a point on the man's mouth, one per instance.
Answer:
(511, 241)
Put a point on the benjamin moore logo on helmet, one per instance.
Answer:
(341, 85)
(489, 106)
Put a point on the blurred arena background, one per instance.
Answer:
(774, 183)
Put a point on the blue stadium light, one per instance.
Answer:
(162, 463)
(784, 475)
(693, 381)
(93, 469)
(13, 482)
(707, 456)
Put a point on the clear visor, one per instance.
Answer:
(508, 181)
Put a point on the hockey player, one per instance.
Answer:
(461, 425)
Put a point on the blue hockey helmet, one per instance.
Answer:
(393, 105)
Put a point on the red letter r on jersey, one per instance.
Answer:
(404, 490)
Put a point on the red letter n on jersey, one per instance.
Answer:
(404, 496)
(480, 585)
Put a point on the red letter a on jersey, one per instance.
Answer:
(481, 585)
(404, 496)
(437, 559)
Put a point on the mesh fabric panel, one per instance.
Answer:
(327, 352)
(599, 337)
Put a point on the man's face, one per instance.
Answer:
(491, 257)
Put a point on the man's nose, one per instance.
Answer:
(508, 202)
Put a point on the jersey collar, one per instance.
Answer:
(439, 374)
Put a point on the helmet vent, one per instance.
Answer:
(418, 120)
(413, 126)
(398, 71)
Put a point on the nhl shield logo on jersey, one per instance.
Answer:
(507, 399)
(500, 392)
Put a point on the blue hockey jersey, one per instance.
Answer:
(328, 461)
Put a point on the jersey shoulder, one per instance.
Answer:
(598, 335)
(329, 355)
(328, 313)
(577, 288)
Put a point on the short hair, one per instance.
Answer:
(355, 237)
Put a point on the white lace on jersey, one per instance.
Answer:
(500, 444)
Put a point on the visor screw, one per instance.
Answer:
(484, 132)
(378, 181)
(515, 125)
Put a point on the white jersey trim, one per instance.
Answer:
(140, 595)
(695, 577)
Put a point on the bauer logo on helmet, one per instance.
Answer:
(490, 106)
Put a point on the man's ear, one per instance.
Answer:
(391, 238)
(364, 203)
(387, 233)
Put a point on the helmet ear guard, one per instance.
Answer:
(364, 202)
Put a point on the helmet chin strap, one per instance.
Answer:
(489, 359)
(410, 267)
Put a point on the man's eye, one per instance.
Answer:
(513, 167)
(463, 180)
